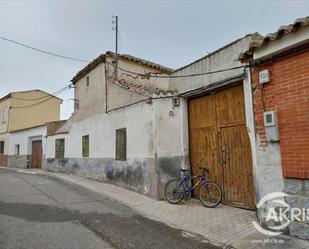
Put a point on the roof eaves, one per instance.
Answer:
(283, 30)
(5, 97)
(27, 128)
(27, 91)
(88, 68)
(216, 51)
(101, 58)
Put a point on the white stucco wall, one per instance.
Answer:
(224, 58)
(102, 134)
(24, 139)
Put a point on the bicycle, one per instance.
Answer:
(210, 194)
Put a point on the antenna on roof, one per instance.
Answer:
(115, 21)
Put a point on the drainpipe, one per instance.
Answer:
(105, 76)
(252, 128)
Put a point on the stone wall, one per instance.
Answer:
(19, 161)
(299, 198)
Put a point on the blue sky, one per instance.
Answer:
(172, 33)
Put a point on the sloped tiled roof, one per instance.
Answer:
(263, 41)
(101, 58)
(147, 91)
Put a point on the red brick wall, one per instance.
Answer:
(288, 94)
(3, 160)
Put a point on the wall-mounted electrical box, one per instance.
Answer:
(264, 76)
(176, 102)
(271, 126)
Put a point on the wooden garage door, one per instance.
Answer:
(36, 154)
(219, 139)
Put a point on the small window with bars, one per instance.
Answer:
(121, 144)
(1, 147)
(17, 149)
(59, 150)
(85, 146)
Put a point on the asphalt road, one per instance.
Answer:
(39, 212)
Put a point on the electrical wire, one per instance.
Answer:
(155, 75)
(145, 75)
(103, 38)
(43, 51)
(137, 102)
(43, 97)
(38, 103)
(128, 37)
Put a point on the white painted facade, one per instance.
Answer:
(98, 116)
(157, 132)
(25, 138)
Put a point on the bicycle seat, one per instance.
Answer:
(184, 170)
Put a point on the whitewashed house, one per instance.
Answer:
(113, 134)
(27, 147)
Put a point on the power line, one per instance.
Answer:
(198, 74)
(103, 38)
(155, 75)
(42, 51)
(128, 37)
(145, 75)
(43, 97)
(38, 103)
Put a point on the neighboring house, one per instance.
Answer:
(24, 114)
(280, 83)
(27, 147)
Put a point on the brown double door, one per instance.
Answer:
(36, 161)
(219, 139)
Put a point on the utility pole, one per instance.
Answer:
(115, 21)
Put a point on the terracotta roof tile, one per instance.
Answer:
(101, 58)
(263, 41)
(147, 91)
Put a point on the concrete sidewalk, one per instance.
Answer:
(224, 226)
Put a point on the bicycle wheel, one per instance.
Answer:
(173, 191)
(211, 196)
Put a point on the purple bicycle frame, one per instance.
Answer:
(185, 183)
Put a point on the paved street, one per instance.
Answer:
(41, 212)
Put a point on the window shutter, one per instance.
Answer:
(85, 146)
(121, 144)
(1, 147)
(59, 148)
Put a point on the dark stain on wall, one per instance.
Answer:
(131, 175)
(169, 168)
